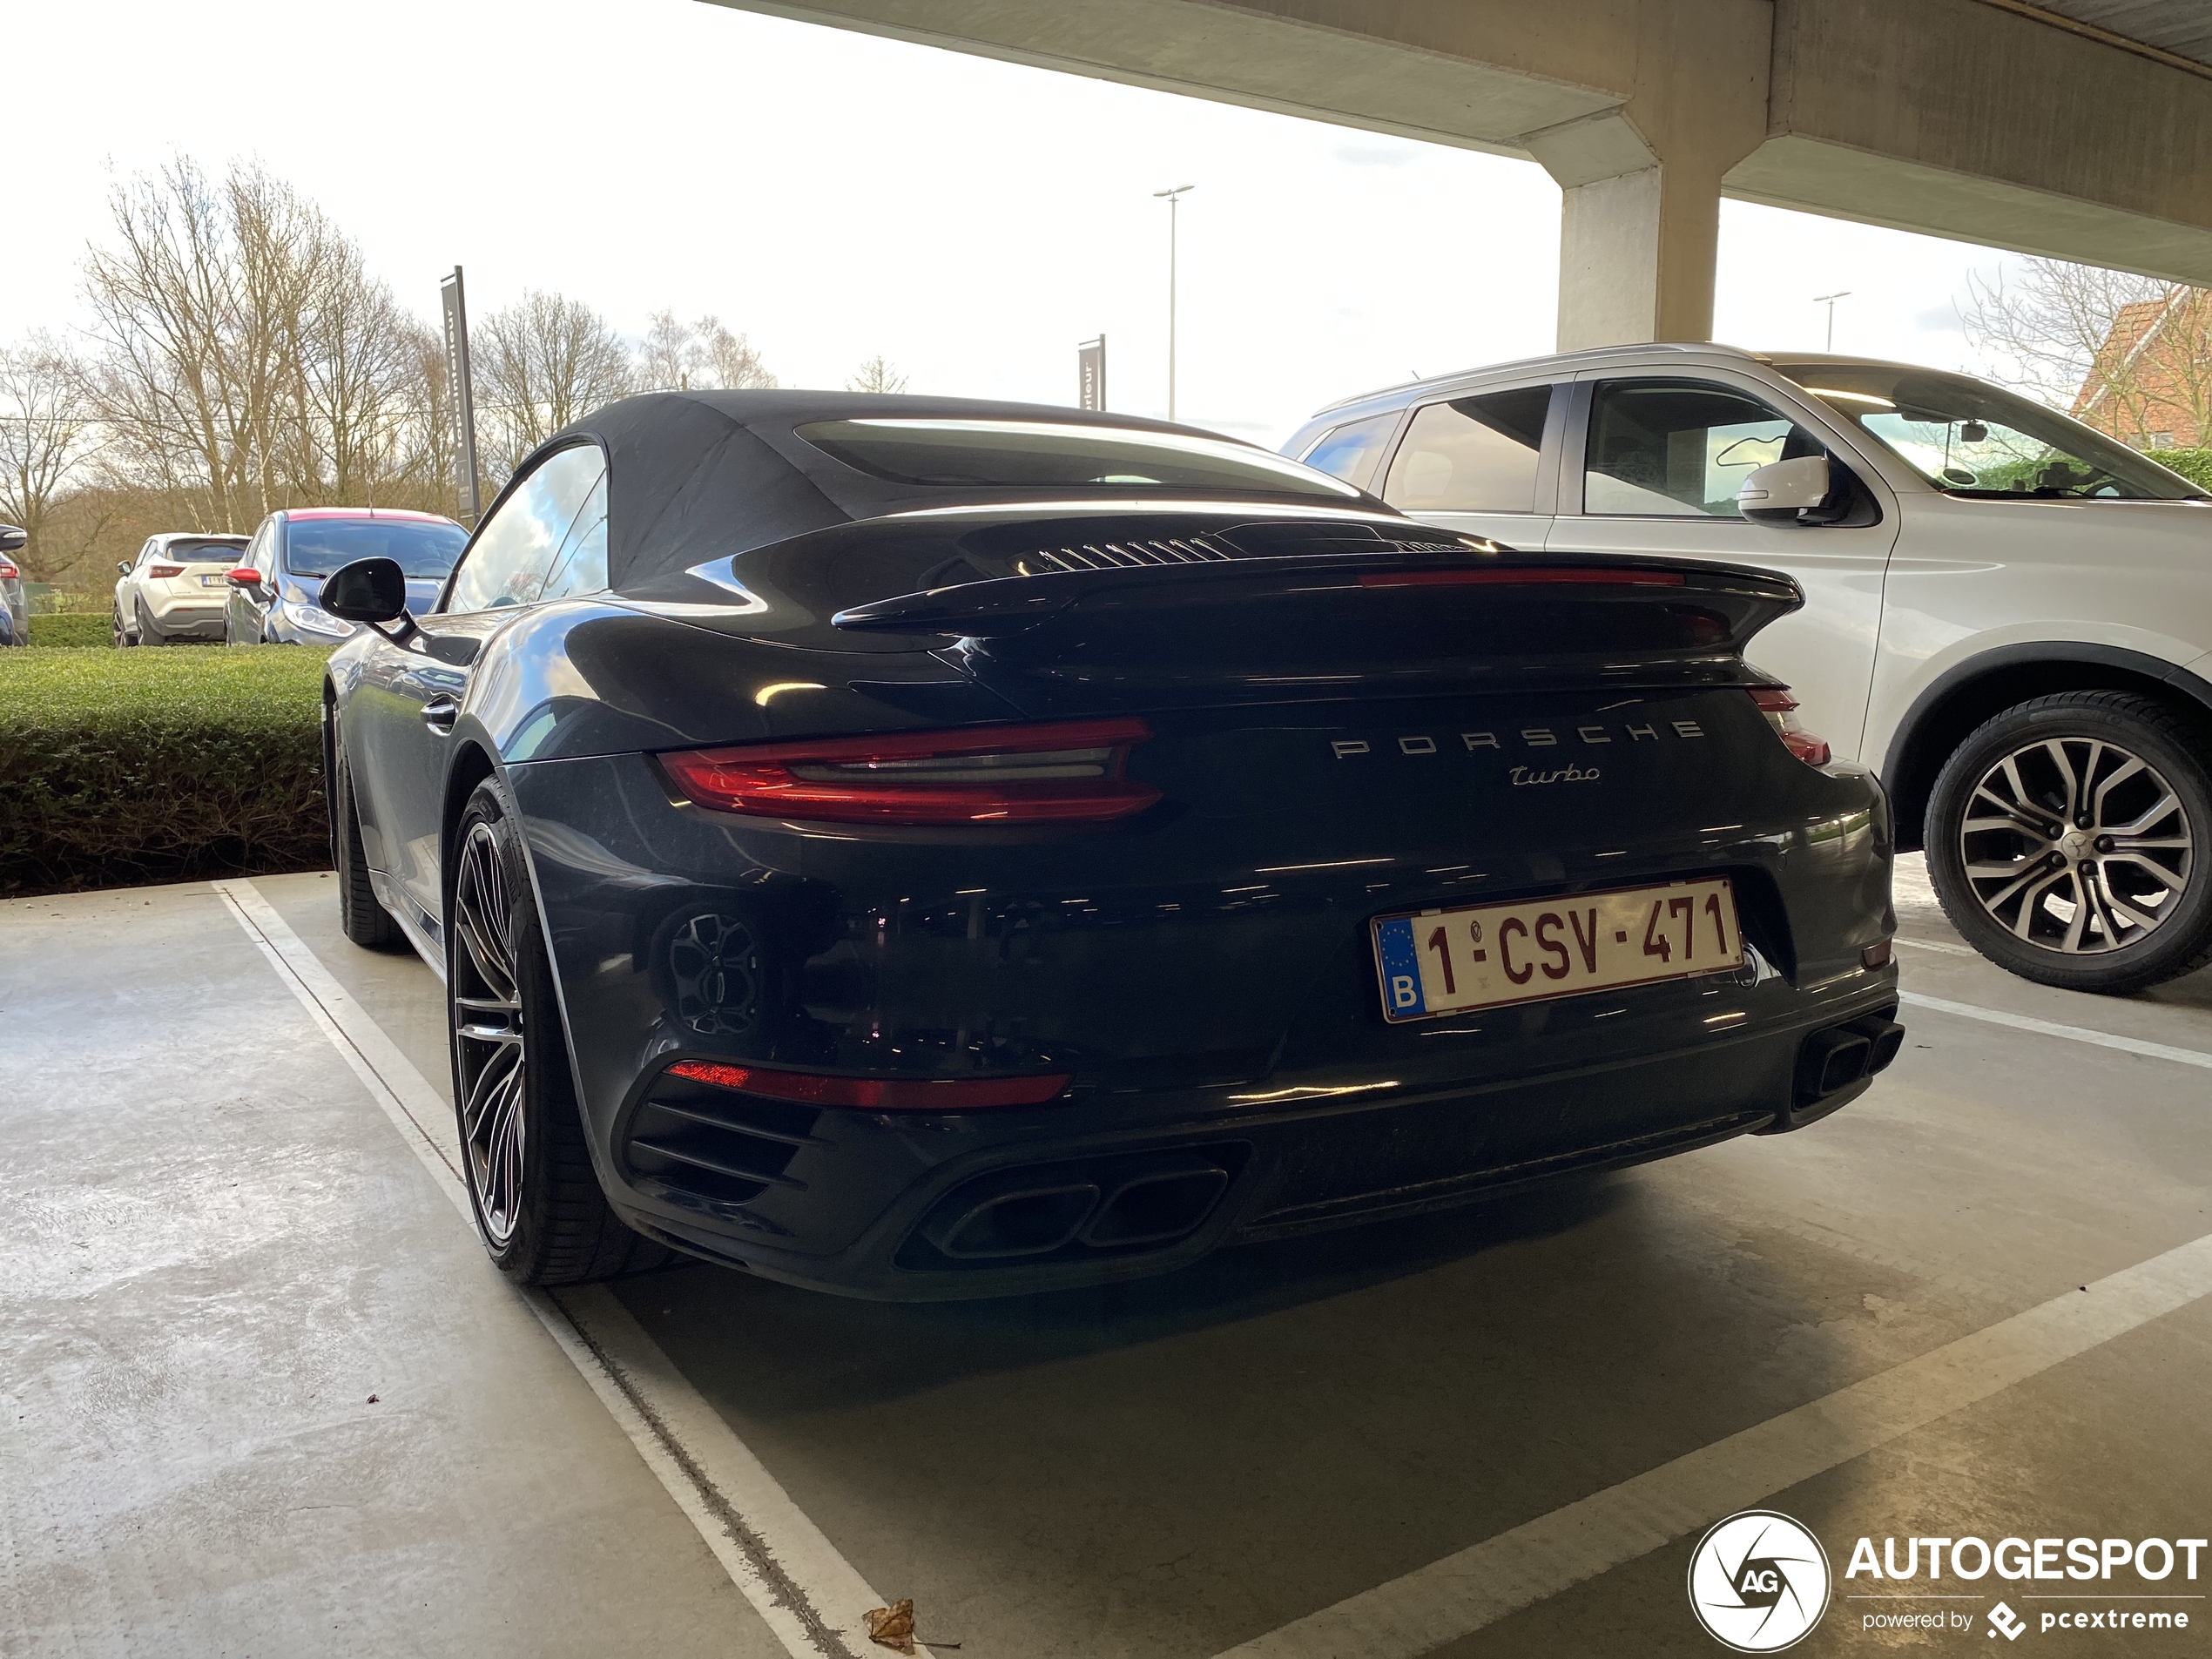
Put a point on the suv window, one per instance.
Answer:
(1681, 449)
(514, 550)
(1350, 451)
(1473, 455)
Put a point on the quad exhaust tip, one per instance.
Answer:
(1038, 1212)
(1833, 1060)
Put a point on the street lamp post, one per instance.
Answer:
(1173, 200)
(1829, 299)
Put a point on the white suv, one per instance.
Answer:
(175, 589)
(2008, 615)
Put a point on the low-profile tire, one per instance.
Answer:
(539, 1207)
(364, 920)
(2066, 838)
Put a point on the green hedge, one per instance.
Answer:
(2196, 465)
(85, 628)
(118, 767)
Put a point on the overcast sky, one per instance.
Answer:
(834, 196)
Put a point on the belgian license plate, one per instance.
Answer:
(211, 581)
(1487, 957)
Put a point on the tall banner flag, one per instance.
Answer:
(464, 402)
(1090, 373)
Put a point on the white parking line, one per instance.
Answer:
(1462, 1594)
(2049, 1028)
(803, 1589)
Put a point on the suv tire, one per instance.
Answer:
(539, 1207)
(2066, 838)
(123, 636)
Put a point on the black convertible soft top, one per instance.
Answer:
(694, 476)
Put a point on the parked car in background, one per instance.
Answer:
(924, 848)
(272, 597)
(15, 614)
(173, 591)
(2008, 615)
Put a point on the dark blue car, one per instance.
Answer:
(919, 848)
(272, 600)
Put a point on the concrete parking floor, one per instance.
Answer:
(220, 1246)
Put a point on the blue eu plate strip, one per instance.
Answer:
(1401, 968)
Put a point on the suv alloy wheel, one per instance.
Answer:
(2067, 840)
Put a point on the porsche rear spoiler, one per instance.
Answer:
(1353, 621)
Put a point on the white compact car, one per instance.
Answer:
(2007, 614)
(175, 589)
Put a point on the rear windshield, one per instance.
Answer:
(208, 552)
(1037, 454)
(320, 546)
(1967, 437)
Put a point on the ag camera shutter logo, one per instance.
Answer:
(1758, 1582)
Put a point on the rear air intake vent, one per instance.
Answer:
(712, 1149)
(1110, 555)
(1251, 543)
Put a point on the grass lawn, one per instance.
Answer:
(118, 767)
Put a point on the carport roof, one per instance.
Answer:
(2181, 27)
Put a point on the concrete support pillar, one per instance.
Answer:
(1638, 235)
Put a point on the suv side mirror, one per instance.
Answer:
(369, 591)
(123, 567)
(1782, 492)
(12, 539)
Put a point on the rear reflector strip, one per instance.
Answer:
(1523, 577)
(875, 1094)
(1068, 772)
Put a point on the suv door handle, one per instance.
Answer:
(439, 714)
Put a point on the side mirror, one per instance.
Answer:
(245, 576)
(369, 591)
(123, 567)
(12, 540)
(1783, 491)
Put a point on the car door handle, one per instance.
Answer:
(439, 714)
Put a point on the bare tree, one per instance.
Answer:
(44, 437)
(736, 365)
(877, 375)
(681, 356)
(542, 362)
(2130, 354)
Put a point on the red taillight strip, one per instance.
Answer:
(876, 1094)
(758, 779)
(1522, 576)
(164, 569)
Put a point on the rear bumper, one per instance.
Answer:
(1073, 1194)
(192, 617)
(1230, 1056)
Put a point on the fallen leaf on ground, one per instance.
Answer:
(893, 1626)
(371, 1400)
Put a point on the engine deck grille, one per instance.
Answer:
(1109, 555)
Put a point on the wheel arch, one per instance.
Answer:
(1971, 692)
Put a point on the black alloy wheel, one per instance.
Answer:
(123, 637)
(2066, 839)
(539, 1207)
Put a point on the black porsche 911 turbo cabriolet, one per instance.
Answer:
(920, 848)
